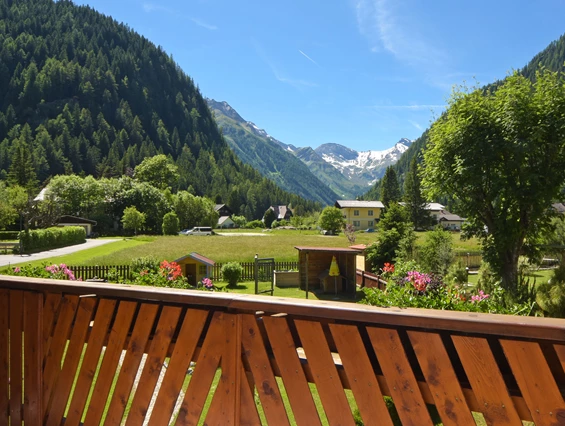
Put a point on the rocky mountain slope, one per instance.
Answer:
(344, 171)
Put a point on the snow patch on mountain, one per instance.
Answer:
(368, 164)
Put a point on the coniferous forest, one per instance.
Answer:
(82, 94)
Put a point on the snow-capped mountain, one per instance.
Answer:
(346, 172)
(362, 165)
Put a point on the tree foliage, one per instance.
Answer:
(390, 190)
(170, 224)
(501, 155)
(331, 219)
(269, 217)
(133, 219)
(414, 199)
(85, 95)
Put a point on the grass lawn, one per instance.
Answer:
(89, 256)
(235, 246)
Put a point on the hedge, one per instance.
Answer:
(9, 235)
(54, 237)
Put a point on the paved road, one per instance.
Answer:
(9, 259)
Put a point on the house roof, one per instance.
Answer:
(450, 217)
(218, 206)
(329, 249)
(435, 206)
(223, 219)
(280, 211)
(197, 257)
(355, 203)
(41, 195)
(75, 219)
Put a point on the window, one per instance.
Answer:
(356, 223)
(371, 224)
(370, 212)
(202, 270)
(355, 212)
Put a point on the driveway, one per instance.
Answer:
(9, 259)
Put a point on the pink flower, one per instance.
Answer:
(479, 297)
(17, 270)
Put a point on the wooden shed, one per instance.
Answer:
(313, 262)
(195, 267)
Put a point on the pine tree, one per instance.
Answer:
(21, 171)
(415, 201)
(390, 190)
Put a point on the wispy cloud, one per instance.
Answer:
(204, 24)
(152, 7)
(308, 57)
(415, 107)
(416, 125)
(384, 28)
(279, 75)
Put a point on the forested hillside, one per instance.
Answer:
(83, 94)
(552, 58)
(269, 158)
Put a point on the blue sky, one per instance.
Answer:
(361, 73)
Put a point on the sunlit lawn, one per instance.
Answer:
(236, 246)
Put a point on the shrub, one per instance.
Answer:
(146, 263)
(9, 235)
(415, 289)
(436, 255)
(254, 224)
(170, 224)
(43, 239)
(457, 274)
(232, 272)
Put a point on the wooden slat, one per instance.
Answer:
(164, 332)
(536, 381)
(204, 371)
(65, 380)
(183, 353)
(441, 378)
(361, 375)
(33, 326)
(486, 380)
(226, 403)
(325, 374)
(4, 355)
(291, 371)
(50, 308)
(56, 348)
(136, 347)
(114, 348)
(16, 325)
(269, 394)
(249, 414)
(398, 373)
(98, 334)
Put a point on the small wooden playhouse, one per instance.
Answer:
(314, 267)
(195, 267)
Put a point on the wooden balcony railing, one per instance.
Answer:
(116, 354)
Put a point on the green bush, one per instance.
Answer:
(146, 263)
(254, 224)
(9, 235)
(44, 239)
(232, 272)
(170, 224)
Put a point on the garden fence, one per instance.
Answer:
(123, 272)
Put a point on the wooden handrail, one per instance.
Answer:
(460, 322)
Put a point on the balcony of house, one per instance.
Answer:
(116, 354)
